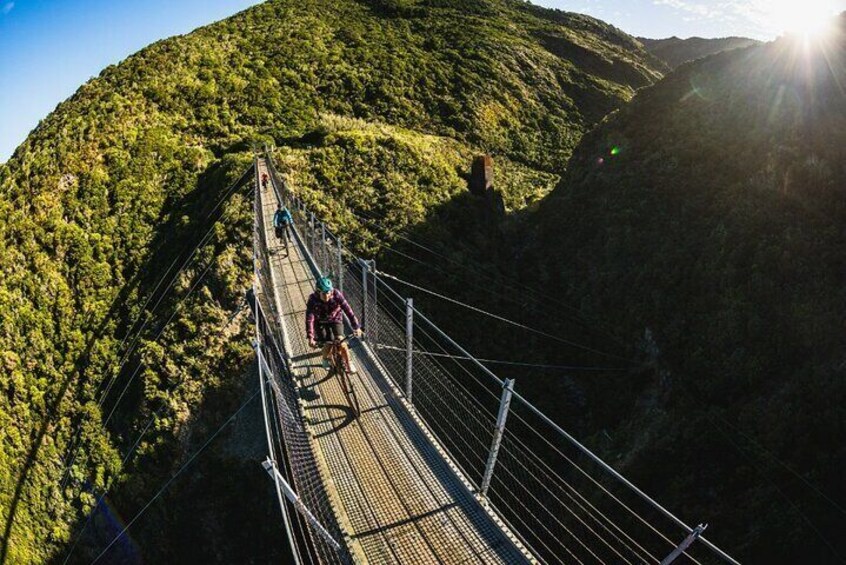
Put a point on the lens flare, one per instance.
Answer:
(108, 523)
(809, 18)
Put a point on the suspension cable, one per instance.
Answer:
(500, 362)
(172, 478)
(479, 310)
(364, 237)
(498, 317)
(134, 446)
(445, 372)
(498, 278)
(73, 453)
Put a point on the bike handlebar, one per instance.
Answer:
(337, 340)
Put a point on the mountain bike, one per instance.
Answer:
(339, 369)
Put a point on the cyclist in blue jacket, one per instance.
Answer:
(282, 221)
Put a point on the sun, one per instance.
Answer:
(806, 18)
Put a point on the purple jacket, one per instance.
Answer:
(330, 311)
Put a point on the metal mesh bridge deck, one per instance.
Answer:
(396, 496)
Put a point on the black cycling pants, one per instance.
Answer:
(284, 231)
(329, 331)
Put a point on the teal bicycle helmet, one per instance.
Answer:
(324, 284)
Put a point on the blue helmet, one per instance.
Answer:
(324, 284)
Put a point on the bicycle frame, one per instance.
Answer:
(340, 370)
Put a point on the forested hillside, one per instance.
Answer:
(114, 328)
(706, 219)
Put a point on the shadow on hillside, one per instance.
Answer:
(595, 104)
(78, 374)
(472, 252)
(173, 243)
(141, 284)
(234, 489)
(591, 62)
(221, 504)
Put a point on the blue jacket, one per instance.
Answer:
(282, 217)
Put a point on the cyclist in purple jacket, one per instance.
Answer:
(325, 320)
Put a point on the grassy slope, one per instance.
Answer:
(711, 211)
(109, 189)
(357, 169)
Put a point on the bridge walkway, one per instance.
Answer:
(397, 497)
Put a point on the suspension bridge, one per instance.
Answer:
(446, 462)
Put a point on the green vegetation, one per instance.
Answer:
(120, 181)
(710, 211)
(702, 223)
(350, 169)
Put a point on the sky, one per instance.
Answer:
(759, 19)
(49, 48)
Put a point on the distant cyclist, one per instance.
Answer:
(325, 320)
(264, 180)
(282, 222)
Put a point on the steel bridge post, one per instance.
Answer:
(316, 248)
(409, 340)
(687, 542)
(375, 300)
(364, 318)
(311, 226)
(504, 404)
(323, 255)
(340, 264)
(274, 473)
(309, 234)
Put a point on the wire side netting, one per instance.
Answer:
(290, 447)
(456, 400)
(564, 503)
(561, 502)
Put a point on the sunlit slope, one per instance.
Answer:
(119, 183)
(706, 220)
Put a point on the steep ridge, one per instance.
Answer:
(111, 193)
(705, 219)
(675, 51)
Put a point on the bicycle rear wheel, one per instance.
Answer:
(352, 397)
(347, 386)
